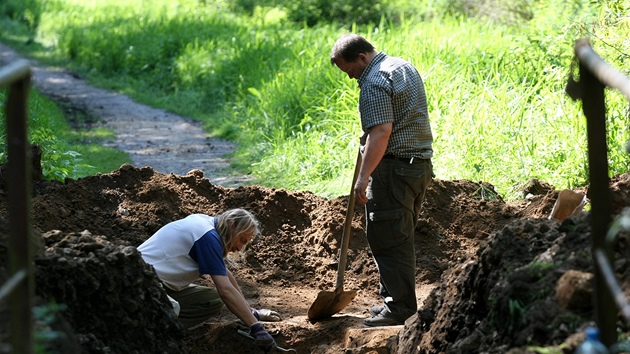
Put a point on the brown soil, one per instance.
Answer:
(487, 270)
(478, 257)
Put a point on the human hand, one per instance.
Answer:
(266, 315)
(360, 188)
(262, 338)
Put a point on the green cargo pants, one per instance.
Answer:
(197, 303)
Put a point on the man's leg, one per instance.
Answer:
(395, 193)
(397, 272)
(197, 304)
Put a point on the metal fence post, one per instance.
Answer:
(18, 178)
(594, 107)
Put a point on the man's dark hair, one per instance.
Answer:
(349, 46)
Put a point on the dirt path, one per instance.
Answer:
(152, 137)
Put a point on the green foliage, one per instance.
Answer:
(516, 314)
(65, 154)
(543, 350)
(27, 12)
(504, 11)
(319, 12)
(494, 72)
(538, 270)
(485, 193)
(45, 316)
(58, 162)
(312, 12)
(248, 7)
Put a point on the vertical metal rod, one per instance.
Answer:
(18, 187)
(593, 101)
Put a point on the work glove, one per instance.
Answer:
(266, 315)
(262, 338)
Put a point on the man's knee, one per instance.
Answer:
(207, 300)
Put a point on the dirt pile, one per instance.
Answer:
(112, 298)
(520, 290)
(493, 266)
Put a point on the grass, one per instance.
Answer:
(495, 91)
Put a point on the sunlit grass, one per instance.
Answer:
(495, 92)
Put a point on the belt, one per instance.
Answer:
(403, 159)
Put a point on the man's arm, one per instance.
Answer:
(233, 299)
(375, 147)
(233, 282)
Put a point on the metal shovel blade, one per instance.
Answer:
(568, 203)
(329, 303)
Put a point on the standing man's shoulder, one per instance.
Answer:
(394, 63)
(388, 65)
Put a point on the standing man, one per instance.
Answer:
(396, 168)
(184, 249)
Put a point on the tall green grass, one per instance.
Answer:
(495, 92)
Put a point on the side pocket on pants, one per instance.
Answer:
(386, 229)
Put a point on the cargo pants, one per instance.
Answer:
(395, 195)
(195, 304)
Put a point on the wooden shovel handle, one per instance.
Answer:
(345, 238)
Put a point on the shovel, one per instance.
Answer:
(329, 303)
(568, 203)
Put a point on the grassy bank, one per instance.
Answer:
(495, 91)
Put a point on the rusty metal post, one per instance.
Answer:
(593, 101)
(18, 187)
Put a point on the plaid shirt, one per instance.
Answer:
(392, 91)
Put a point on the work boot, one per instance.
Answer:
(383, 319)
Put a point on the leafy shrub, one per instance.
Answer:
(312, 12)
(505, 11)
(58, 160)
(24, 11)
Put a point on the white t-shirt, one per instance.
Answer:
(182, 250)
